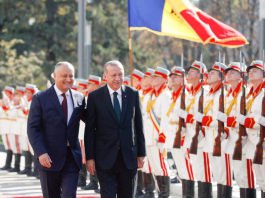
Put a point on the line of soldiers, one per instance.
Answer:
(199, 117)
(14, 109)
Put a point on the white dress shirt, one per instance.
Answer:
(111, 91)
(70, 106)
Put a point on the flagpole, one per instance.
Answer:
(130, 52)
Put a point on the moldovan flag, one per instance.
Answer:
(181, 19)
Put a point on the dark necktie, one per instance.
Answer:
(116, 105)
(64, 106)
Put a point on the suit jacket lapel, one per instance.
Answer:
(56, 102)
(124, 102)
(108, 103)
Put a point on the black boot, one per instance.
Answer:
(82, 176)
(227, 192)
(263, 194)
(149, 185)
(35, 172)
(17, 163)
(219, 190)
(93, 183)
(7, 165)
(251, 193)
(206, 190)
(247, 193)
(28, 163)
(184, 187)
(139, 188)
(189, 189)
(164, 186)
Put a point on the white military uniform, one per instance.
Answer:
(200, 162)
(253, 107)
(144, 98)
(211, 109)
(227, 167)
(5, 124)
(156, 152)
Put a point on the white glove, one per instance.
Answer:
(222, 117)
(241, 119)
(200, 136)
(161, 147)
(261, 120)
(223, 136)
(182, 113)
(198, 117)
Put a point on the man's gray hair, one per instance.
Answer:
(64, 63)
(113, 63)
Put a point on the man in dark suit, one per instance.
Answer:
(114, 140)
(53, 126)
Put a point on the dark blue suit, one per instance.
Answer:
(49, 133)
(114, 144)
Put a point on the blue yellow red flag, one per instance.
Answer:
(181, 19)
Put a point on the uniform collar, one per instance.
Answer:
(158, 92)
(175, 94)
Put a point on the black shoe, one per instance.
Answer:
(174, 180)
(90, 186)
(13, 170)
(6, 167)
(97, 191)
(26, 171)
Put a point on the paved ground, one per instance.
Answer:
(13, 185)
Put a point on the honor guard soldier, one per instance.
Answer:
(93, 84)
(16, 121)
(30, 90)
(210, 123)
(232, 106)
(7, 103)
(180, 153)
(250, 122)
(137, 76)
(147, 89)
(156, 141)
(259, 162)
(191, 169)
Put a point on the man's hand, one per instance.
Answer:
(90, 166)
(45, 160)
(140, 162)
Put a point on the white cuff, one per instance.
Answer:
(241, 119)
(222, 117)
(261, 120)
(182, 113)
(198, 117)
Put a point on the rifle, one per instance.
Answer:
(237, 155)
(259, 147)
(177, 140)
(217, 142)
(198, 128)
